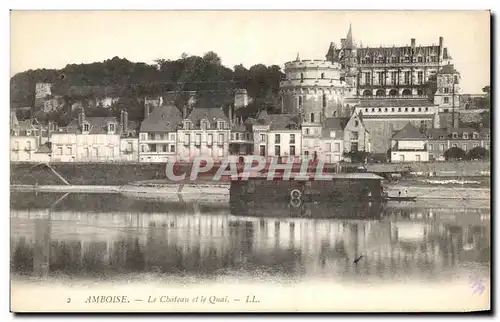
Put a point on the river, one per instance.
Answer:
(370, 259)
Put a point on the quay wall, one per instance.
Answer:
(123, 173)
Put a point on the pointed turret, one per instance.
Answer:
(349, 42)
(298, 57)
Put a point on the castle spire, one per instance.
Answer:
(298, 57)
(349, 43)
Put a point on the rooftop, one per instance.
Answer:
(409, 131)
(163, 118)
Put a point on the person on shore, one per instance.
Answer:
(400, 193)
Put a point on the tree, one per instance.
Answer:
(431, 87)
(357, 156)
(454, 153)
(212, 58)
(478, 153)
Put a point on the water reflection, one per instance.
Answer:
(106, 235)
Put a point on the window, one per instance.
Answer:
(210, 139)
(356, 123)
(402, 157)
(111, 152)
(322, 75)
(172, 136)
(406, 109)
(306, 153)
(324, 100)
(152, 148)
(366, 110)
(354, 136)
(420, 76)
(187, 139)
(165, 148)
(431, 147)
(129, 146)
(453, 145)
(417, 157)
(221, 138)
(277, 138)
(204, 125)
(354, 146)
(413, 109)
(381, 78)
(455, 135)
(307, 131)
(292, 149)
(86, 127)
(301, 77)
(328, 147)
(420, 59)
(337, 147)
(407, 78)
(87, 152)
(300, 101)
(446, 90)
(464, 147)
(394, 59)
(277, 150)
(142, 149)
(220, 125)
(312, 117)
(232, 136)
(466, 136)
(292, 138)
(111, 127)
(262, 150)
(150, 136)
(367, 78)
(28, 133)
(69, 150)
(187, 125)
(394, 77)
(441, 147)
(172, 148)
(28, 146)
(197, 139)
(262, 138)
(59, 150)
(399, 109)
(157, 136)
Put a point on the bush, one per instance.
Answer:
(454, 153)
(478, 153)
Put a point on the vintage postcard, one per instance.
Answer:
(250, 161)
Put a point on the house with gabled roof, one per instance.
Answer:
(332, 139)
(277, 135)
(158, 133)
(205, 131)
(90, 139)
(26, 139)
(409, 145)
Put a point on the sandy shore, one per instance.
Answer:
(441, 192)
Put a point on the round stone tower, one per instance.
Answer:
(313, 88)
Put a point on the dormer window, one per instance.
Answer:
(86, 127)
(220, 125)
(475, 135)
(466, 136)
(187, 125)
(204, 125)
(420, 59)
(111, 127)
(455, 135)
(356, 123)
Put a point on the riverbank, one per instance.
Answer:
(439, 192)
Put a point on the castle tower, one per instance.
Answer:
(447, 95)
(313, 89)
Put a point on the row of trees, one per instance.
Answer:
(477, 153)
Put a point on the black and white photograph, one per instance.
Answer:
(250, 161)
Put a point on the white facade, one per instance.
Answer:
(129, 149)
(75, 147)
(409, 156)
(212, 143)
(332, 149)
(157, 146)
(23, 149)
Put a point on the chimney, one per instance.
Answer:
(146, 111)
(184, 112)
(121, 119)
(49, 130)
(413, 43)
(39, 134)
(440, 44)
(125, 122)
(230, 115)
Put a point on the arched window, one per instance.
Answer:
(393, 92)
(406, 92)
(312, 117)
(367, 92)
(380, 92)
(334, 113)
(322, 75)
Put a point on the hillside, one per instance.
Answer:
(132, 82)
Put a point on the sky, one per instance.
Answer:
(53, 39)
